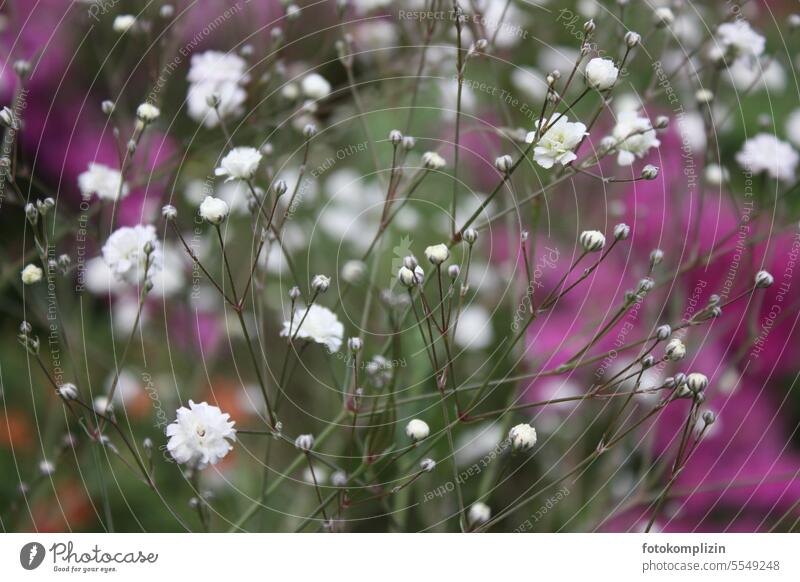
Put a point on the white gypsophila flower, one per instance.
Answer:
(763, 279)
(31, 274)
(417, 429)
(320, 325)
(633, 136)
(437, 254)
(103, 181)
(474, 330)
(214, 210)
(558, 142)
(231, 99)
(201, 434)
(315, 86)
(739, 38)
(101, 405)
(217, 67)
(123, 23)
(752, 75)
(479, 513)
(716, 174)
(46, 468)
(522, 437)
(218, 74)
(601, 73)
(239, 164)
(125, 254)
(147, 112)
(766, 153)
(793, 127)
(433, 161)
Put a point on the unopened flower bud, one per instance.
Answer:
(320, 283)
(305, 442)
(522, 437)
(427, 465)
(294, 292)
(656, 257)
(632, 39)
(592, 240)
(470, 236)
(675, 350)
(437, 254)
(763, 280)
(709, 417)
(504, 163)
(479, 513)
(417, 430)
(68, 391)
(354, 344)
(396, 137)
(622, 231)
(169, 212)
(663, 332)
(649, 172)
(453, 271)
(696, 382)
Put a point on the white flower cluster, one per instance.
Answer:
(200, 435)
(125, 253)
(319, 325)
(216, 78)
(104, 182)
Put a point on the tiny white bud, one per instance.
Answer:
(309, 131)
(709, 417)
(470, 236)
(102, 406)
(522, 437)
(592, 240)
(453, 271)
(68, 391)
(411, 278)
(479, 513)
(763, 280)
(675, 350)
(504, 163)
(663, 16)
(417, 429)
(433, 161)
(353, 271)
(663, 332)
(147, 112)
(46, 468)
(662, 122)
(427, 465)
(622, 231)
(409, 142)
(656, 257)
(632, 39)
(320, 283)
(649, 172)
(704, 95)
(294, 292)
(123, 23)
(169, 212)
(355, 344)
(437, 254)
(696, 382)
(305, 442)
(396, 137)
(31, 274)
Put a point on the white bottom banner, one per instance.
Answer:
(401, 557)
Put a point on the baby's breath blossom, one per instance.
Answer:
(437, 254)
(125, 252)
(320, 283)
(214, 210)
(427, 465)
(123, 23)
(479, 513)
(219, 75)
(417, 429)
(147, 112)
(31, 274)
(558, 142)
(103, 181)
(766, 153)
(315, 86)
(239, 164)
(633, 136)
(433, 161)
(601, 73)
(740, 39)
(200, 435)
(320, 325)
(522, 437)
